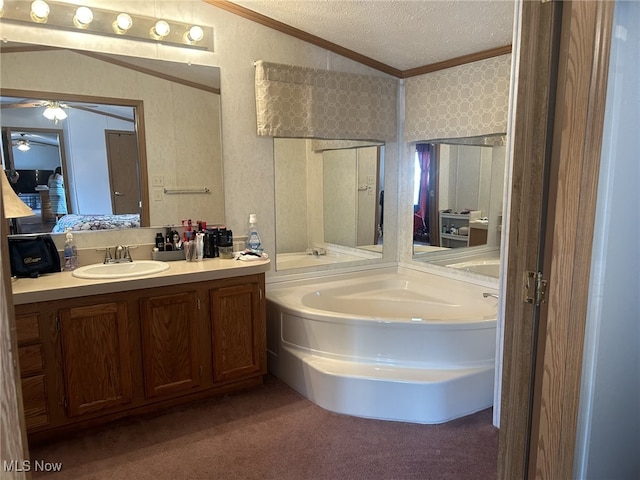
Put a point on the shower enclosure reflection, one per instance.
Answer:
(328, 201)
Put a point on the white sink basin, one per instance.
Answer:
(121, 270)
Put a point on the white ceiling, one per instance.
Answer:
(403, 34)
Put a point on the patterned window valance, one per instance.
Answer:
(465, 101)
(313, 103)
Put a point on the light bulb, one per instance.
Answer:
(23, 146)
(1, 8)
(39, 11)
(83, 17)
(160, 30)
(60, 114)
(122, 23)
(195, 34)
(49, 113)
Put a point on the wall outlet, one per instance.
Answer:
(157, 195)
(157, 180)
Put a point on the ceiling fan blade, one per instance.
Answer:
(21, 105)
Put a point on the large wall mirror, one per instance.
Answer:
(329, 202)
(139, 136)
(458, 203)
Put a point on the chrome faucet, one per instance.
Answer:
(487, 294)
(121, 254)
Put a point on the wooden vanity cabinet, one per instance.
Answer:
(96, 363)
(169, 329)
(95, 359)
(237, 334)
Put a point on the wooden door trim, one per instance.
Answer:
(534, 106)
(579, 118)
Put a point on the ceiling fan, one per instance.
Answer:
(24, 141)
(53, 110)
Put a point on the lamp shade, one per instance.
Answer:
(13, 206)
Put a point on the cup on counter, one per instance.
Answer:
(226, 251)
(189, 251)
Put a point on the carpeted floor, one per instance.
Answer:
(272, 432)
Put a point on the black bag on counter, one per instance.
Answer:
(31, 256)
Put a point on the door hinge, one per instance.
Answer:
(198, 303)
(64, 402)
(201, 371)
(260, 290)
(57, 324)
(535, 288)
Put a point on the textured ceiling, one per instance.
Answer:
(403, 34)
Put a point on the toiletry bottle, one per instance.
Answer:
(160, 242)
(70, 252)
(254, 241)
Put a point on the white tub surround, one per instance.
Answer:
(385, 344)
(57, 286)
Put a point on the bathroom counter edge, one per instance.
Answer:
(57, 286)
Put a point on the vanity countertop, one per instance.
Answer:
(56, 286)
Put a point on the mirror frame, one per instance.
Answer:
(138, 126)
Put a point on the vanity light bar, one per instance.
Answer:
(79, 18)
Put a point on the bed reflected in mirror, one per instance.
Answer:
(329, 202)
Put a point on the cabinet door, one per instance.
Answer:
(169, 343)
(95, 355)
(238, 331)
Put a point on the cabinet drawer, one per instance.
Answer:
(34, 399)
(27, 327)
(30, 359)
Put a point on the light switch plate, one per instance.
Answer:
(157, 180)
(157, 195)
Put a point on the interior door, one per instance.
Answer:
(558, 133)
(122, 157)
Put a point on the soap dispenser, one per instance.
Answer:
(254, 241)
